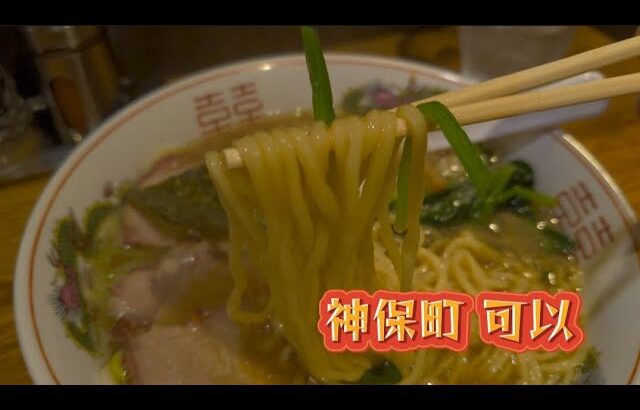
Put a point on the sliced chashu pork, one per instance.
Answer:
(186, 270)
(137, 230)
(203, 353)
(182, 354)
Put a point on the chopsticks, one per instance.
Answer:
(540, 75)
(490, 100)
(511, 105)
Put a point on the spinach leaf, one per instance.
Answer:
(452, 206)
(556, 242)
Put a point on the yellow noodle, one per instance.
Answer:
(467, 264)
(310, 211)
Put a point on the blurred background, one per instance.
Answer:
(57, 83)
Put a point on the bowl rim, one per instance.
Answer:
(31, 345)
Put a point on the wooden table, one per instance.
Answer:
(614, 138)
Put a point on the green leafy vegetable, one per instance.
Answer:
(187, 201)
(556, 242)
(384, 373)
(449, 207)
(527, 194)
(523, 175)
(499, 179)
(460, 143)
(461, 203)
(508, 187)
(319, 77)
(494, 187)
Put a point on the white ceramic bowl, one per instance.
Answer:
(126, 144)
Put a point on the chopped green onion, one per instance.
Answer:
(319, 77)
(465, 151)
(402, 201)
(499, 179)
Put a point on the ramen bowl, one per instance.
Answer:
(590, 205)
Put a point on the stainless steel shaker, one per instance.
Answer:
(78, 76)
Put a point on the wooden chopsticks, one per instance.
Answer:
(540, 75)
(511, 105)
(491, 99)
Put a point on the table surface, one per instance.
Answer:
(611, 137)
